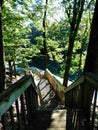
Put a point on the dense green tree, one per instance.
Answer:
(16, 36)
(43, 10)
(58, 31)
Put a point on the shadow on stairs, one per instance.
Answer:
(51, 114)
(52, 117)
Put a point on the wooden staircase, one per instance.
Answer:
(37, 102)
(52, 114)
(46, 94)
(75, 115)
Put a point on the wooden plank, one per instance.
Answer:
(75, 84)
(46, 95)
(57, 87)
(11, 97)
(37, 72)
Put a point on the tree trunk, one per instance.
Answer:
(91, 64)
(2, 66)
(74, 25)
(10, 70)
(80, 61)
(14, 67)
(44, 34)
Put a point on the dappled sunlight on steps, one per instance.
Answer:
(51, 114)
(49, 119)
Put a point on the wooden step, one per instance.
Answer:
(49, 120)
(54, 119)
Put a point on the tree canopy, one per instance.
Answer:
(58, 30)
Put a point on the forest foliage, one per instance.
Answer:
(23, 33)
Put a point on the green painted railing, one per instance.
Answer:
(17, 104)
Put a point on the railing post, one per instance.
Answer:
(23, 111)
(18, 115)
(12, 117)
(3, 120)
(29, 101)
(94, 107)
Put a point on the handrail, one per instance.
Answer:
(18, 102)
(75, 84)
(6, 92)
(55, 84)
(9, 95)
(87, 77)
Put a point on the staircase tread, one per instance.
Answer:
(50, 119)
